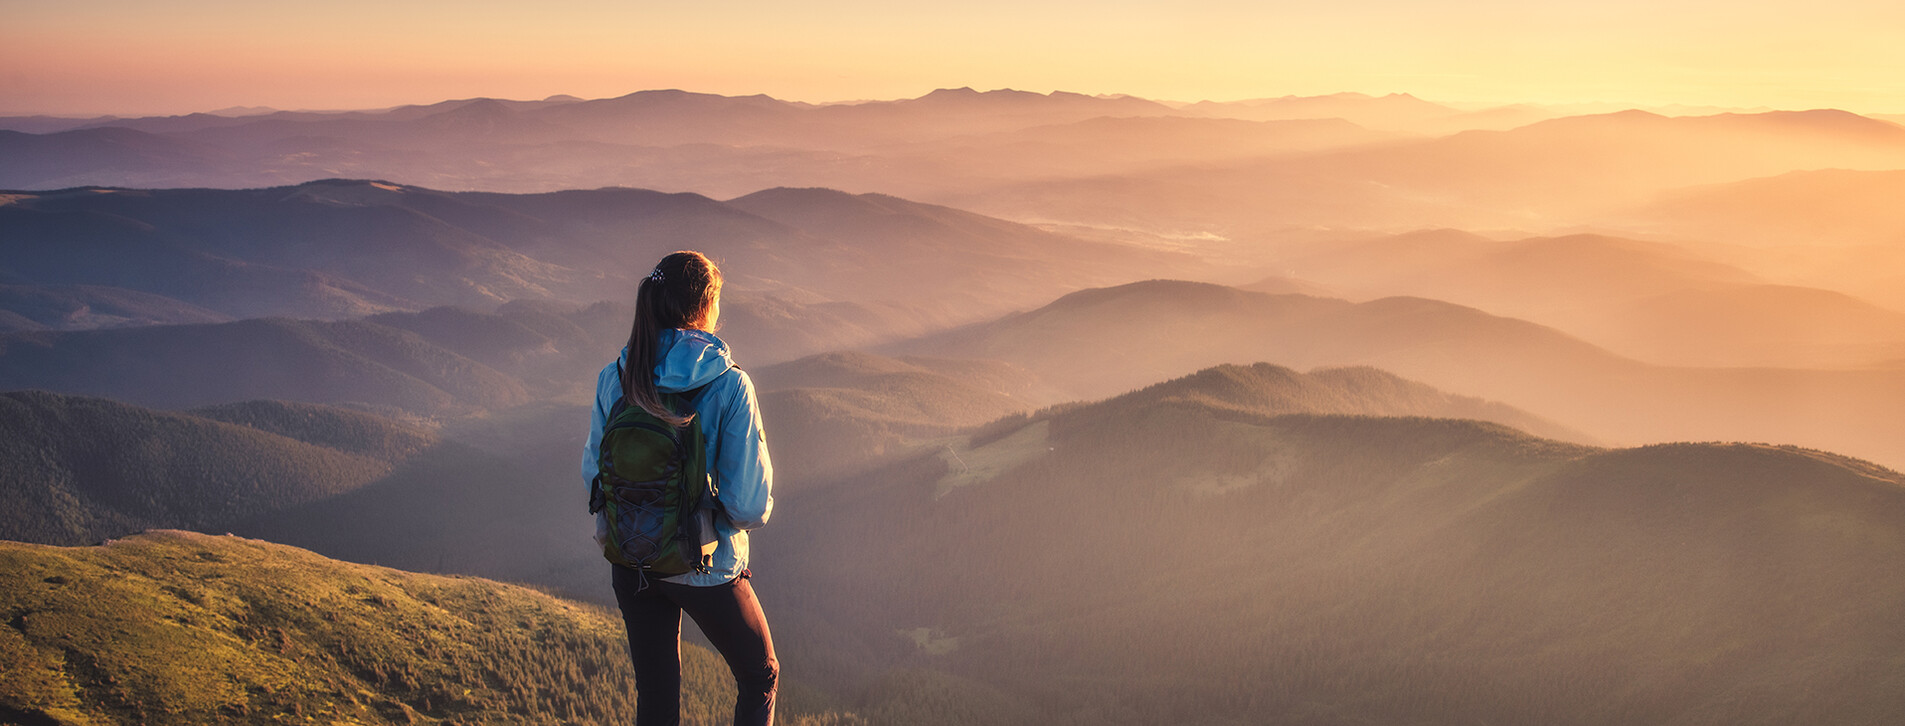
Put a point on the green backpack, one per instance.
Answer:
(653, 500)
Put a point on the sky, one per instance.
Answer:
(136, 57)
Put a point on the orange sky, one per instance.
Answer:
(126, 56)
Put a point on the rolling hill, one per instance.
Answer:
(1346, 569)
(194, 365)
(78, 470)
(1231, 169)
(1750, 325)
(1672, 304)
(1836, 229)
(1263, 389)
(173, 627)
(1104, 341)
(85, 307)
(1523, 278)
(647, 138)
(1815, 207)
(1553, 174)
(340, 248)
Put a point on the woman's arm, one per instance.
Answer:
(744, 472)
(608, 387)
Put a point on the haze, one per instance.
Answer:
(1504, 363)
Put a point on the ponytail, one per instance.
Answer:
(679, 293)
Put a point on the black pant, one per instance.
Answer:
(728, 614)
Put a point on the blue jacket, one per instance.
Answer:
(729, 417)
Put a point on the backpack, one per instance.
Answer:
(653, 500)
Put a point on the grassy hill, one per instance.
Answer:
(174, 627)
(76, 470)
(1305, 568)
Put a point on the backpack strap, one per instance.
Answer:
(621, 402)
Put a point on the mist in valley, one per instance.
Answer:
(1335, 409)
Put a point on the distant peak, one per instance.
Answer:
(1179, 291)
(352, 183)
(796, 193)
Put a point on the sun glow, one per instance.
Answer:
(126, 57)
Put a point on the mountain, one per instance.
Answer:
(971, 261)
(1828, 228)
(1104, 341)
(501, 497)
(1371, 566)
(78, 470)
(1763, 325)
(182, 628)
(339, 248)
(1233, 170)
(193, 365)
(1818, 208)
(1673, 304)
(84, 307)
(1350, 569)
(647, 138)
(1263, 389)
(1393, 112)
(1519, 277)
(1111, 145)
(457, 508)
(105, 156)
(207, 246)
(1546, 175)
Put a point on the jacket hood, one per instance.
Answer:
(689, 359)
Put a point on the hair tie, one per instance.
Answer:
(656, 275)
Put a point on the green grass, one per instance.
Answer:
(173, 627)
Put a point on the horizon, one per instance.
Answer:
(1559, 109)
(130, 59)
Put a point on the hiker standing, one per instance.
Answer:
(678, 374)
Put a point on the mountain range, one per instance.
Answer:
(1107, 340)
(1655, 301)
(871, 264)
(1352, 569)
(1363, 548)
(1230, 169)
(1084, 409)
(1550, 175)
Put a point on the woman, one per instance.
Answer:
(672, 348)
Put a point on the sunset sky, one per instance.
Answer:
(141, 57)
